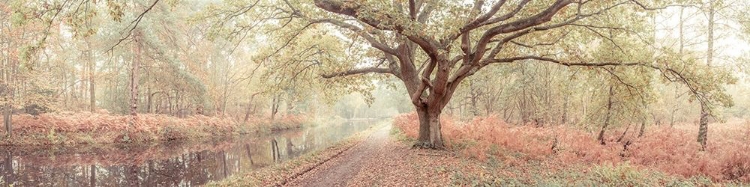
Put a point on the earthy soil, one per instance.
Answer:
(380, 160)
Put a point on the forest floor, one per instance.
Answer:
(377, 157)
(383, 156)
(381, 160)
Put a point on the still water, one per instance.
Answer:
(167, 164)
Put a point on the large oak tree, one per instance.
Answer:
(432, 46)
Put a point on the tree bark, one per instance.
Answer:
(703, 128)
(250, 107)
(424, 126)
(606, 118)
(92, 179)
(473, 98)
(643, 129)
(92, 69)
(8, 119)
(436, 133)
(275, 105)
(710, 44)
(564, 116)
(430, 129)
(134, 74)
(622, 136)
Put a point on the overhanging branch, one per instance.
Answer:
(665, 71)
(357, 72)
(134, 24)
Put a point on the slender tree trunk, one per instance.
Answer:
(711, 21)
(8, 119)
(606, 118)
(249, 108)
(703, 128)
(275, 105)
(225, 98)
(643, 128)
(249, 154)
(671, 118)
(92, 70)
(622, 136)
(224, 163)
(10, 174)
(8, 92)
(149, 100)
(7, 88)
(275, 150)
(473, 99)
(564, 119)
(92, 179)
(134, 73)
(290, 103)
(682, 36)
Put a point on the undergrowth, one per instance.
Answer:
(97, 128)
(664, 151)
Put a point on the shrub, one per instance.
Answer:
(665, 149)
(78, 128)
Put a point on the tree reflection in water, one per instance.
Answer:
(168, 164)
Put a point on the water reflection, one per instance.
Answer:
(170, 164)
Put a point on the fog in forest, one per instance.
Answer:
(555, 90)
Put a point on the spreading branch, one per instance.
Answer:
(357, 72)
(134, 24)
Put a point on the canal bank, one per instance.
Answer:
(175, 163)
(93, 128)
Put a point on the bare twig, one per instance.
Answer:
(134, 24)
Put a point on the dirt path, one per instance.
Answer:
(380, 160)
(338, 171)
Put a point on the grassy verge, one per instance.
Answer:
(282, 173)
(93, 128)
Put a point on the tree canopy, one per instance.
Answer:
(433, 46)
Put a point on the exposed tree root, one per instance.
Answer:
(426, 145)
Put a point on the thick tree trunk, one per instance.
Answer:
(430, 130)
(703, 128)
(424, 126)
(436, 133)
